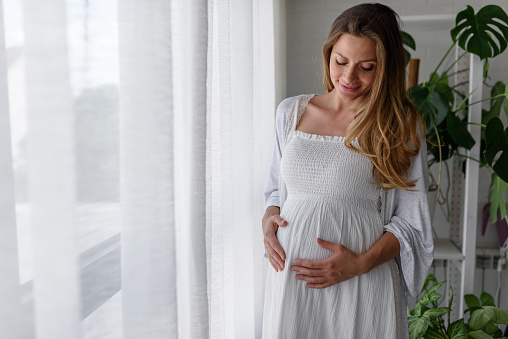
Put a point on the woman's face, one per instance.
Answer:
(353, 66)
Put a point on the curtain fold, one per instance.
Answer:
(189, 36)
(51, 171)
(266, 80)
(240, 125)
(146, 175)
(10, 316)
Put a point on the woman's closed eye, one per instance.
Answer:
(367, 69)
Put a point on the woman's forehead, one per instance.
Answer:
(352, 47)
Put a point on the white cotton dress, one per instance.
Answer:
(331, 194)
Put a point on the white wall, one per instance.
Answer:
(307, 25)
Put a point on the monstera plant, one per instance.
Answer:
(485, 34)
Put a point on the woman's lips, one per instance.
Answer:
(349, 88)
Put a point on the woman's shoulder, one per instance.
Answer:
(287, 105)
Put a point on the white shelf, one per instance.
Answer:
(445, 249)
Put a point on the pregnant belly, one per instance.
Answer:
(336, 221)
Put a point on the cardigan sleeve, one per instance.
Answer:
(410, 223)
(281, 121)
(272, 185)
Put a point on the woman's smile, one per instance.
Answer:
(349, 88)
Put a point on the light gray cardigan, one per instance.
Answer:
(405, 214)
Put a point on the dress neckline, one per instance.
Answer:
(319, 137)
(312, 136)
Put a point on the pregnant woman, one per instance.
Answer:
(347, 229)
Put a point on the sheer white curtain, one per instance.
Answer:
(135, 141)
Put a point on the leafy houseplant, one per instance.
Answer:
(426, 319)
(484, 34)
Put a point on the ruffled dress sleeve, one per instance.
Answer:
(408, 218)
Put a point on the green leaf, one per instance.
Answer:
(492, 329)
(479, 334)
(438, 79)
(485, 314)
(472, 309)
(496, 140)
(495, 104)
(433, 78)
(435, 287)
(408, 40)
(475, 33)
(446, 90)
(418, 326)
(506, 101)
(430, 277)
(436, 312)
(429, 298)
(418, 309)
(451, 299)
(459, 132)
(433, 106)
(457, 330)
(472, 300)
(485, 68)
(407, 56)
(487, 299)
(434, 333)
(498, 203)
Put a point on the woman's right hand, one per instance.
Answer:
(271, 222)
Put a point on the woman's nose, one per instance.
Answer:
(350, 74)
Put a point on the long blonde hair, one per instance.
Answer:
(386, 121)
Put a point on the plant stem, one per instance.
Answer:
(460, 84)
(454, 73)
(477, 124)
(445, 73)
(442, 324)
(468, 157)
(444, 57)
(478, 161)
(440, 161)
(453, 63)
(476, 102)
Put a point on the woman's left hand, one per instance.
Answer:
(341, 266)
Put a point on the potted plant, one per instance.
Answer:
(427, 318)
(485, 34)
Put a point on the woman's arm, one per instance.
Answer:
(385, 249)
